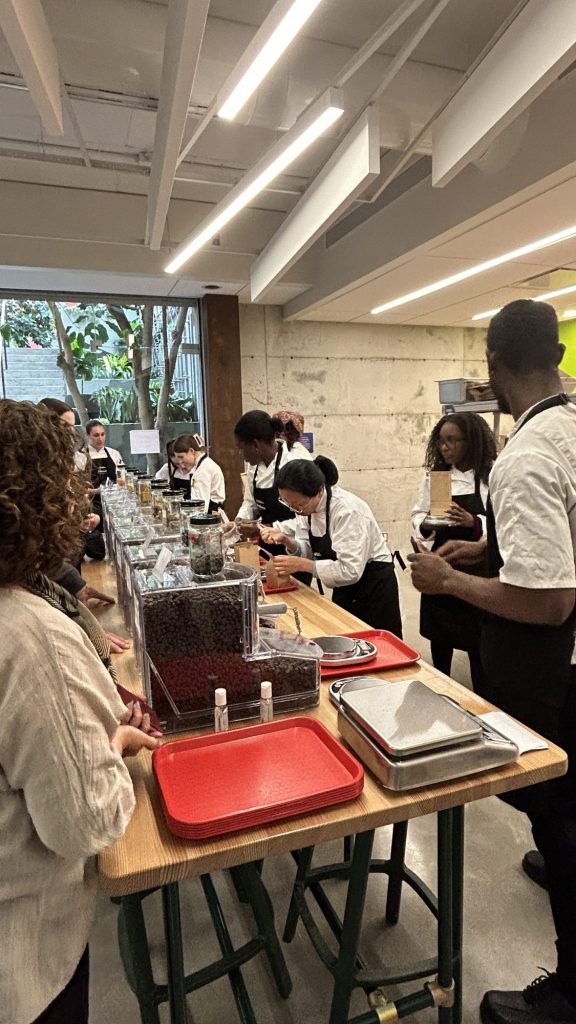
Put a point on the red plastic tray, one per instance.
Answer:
(223, 782)
(391, 652)
(292, 585)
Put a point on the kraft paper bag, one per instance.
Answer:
(440, 493)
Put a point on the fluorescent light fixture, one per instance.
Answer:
(479, 268)
(274, 37)
(538, 298)
(569, 314)
(312, 123)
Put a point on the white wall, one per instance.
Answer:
(368, 393)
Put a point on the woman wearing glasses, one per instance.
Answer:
(463, 445)
(336, 538)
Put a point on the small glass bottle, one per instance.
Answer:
(121, 474)
(220, 710)
(189, 507)
(266, 707)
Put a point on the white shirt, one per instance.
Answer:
(80, 460)
(300, 451)
(462, 483)
(65, 795)
(100, 453)
(266, 475)
(206, 480)
(533, 493)
(355, 535)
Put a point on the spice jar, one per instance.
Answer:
(130, 480)
(158, 488)
(171, 501)
(144, 489)
(189, 507)
(206, 546)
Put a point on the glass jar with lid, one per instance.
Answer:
(130, 480)
(158, 488)
(144, 489)
(206, 546)
(171, 501)
(189, 507)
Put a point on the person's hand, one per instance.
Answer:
(118, 644)
(139, 719)
(229, 527)
(285, 565)
(248, 528)
(459, 516)
(127, 741)
(91, 521)
(271, 536)
(430, 573)
(90, 594)
(463, 552)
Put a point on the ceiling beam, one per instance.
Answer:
(532, 53)
(28, 35)
(186, 23)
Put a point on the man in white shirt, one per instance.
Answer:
(528, 633)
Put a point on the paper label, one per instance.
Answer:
(163, 560)
(149, 537)
(440, 493)
(144, 442)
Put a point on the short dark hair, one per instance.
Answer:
(55, 405)
(257, 425)
(524, 335)
(306, 477)
(91, 424)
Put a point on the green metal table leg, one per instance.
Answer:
(445, 908)
(304, 862)
(344, 975)
(395, 871)
(135, 956)
(263, 911)
(458, 907)
(239, 991)
(174, 954)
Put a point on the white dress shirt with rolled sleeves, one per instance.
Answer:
(355, 535)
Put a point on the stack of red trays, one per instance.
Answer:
(224, 782)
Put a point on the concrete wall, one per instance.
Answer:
(368, 393)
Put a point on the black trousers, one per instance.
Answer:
(71, 1006)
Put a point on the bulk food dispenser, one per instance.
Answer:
(192, 637)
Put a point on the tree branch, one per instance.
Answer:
(66, 363)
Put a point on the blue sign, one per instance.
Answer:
(308, 441)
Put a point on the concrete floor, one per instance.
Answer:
(508, 927)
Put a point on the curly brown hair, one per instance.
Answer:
(43, 502)
(480, 441)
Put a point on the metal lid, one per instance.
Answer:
(205, 520)
(193, 503)
(158, 484)
(169, 492)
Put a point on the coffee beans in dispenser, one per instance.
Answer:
(206, 545)
(189, 507)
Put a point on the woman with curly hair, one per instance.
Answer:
(65, 793)
(463, 445)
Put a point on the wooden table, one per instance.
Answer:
(149, 855)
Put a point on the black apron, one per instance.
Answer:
(103, 469)
(527, 666)
(374, 597)
(270, 507)
(186, 485)
(446, 619)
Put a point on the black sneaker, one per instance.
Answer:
(533, 865)
(540, 1003)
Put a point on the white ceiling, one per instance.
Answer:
(73, 207)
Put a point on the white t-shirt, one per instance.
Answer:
(266, 475)
(462, 483)
(355, 535)
(206, 480)
(533, 493)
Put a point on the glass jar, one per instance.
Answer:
(189, 507)
(206, 546)
(158, 487)
(121, 474)
(171, 501)
(130, 480)
(144, 489)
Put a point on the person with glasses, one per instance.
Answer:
(463, 445)
(335, 537)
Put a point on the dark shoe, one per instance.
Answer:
(533, 865)
(541, 1003)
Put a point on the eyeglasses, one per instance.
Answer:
(449, 442)
(298, 511)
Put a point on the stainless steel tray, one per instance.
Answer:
(407, 717)
(491, 750)
(364, 651)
